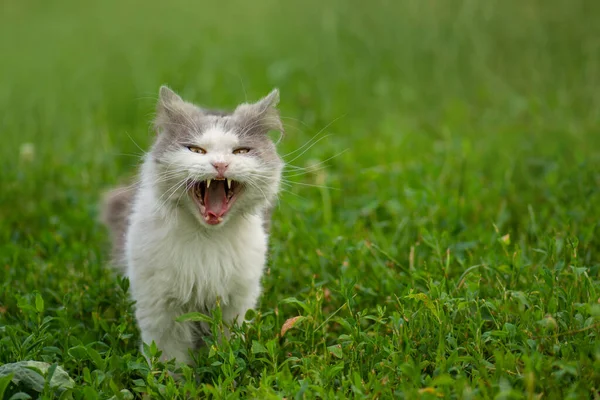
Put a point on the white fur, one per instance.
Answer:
(176, 263)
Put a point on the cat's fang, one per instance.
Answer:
(208, 183)
(229, 183)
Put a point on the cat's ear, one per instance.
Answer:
(262, 116)
(169, 103)
(168, 108)
(166, 95)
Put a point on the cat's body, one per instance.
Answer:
(195, 229)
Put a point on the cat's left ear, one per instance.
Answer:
(169, 104)
(262, 116)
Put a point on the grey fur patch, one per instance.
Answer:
(116, 208)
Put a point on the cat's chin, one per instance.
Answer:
(214, 198)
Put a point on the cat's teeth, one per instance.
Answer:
(220, 219)
(208, 183)
(229, 183)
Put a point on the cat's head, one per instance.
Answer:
(216, 164)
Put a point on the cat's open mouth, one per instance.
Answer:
(214, 198)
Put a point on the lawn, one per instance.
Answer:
(438, 235)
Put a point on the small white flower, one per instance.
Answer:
(27, 152)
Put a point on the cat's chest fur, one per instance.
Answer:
(192, 268)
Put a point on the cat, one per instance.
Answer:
(195, 227)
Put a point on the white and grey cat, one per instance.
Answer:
(195, 228)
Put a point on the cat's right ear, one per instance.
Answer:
(166, 95)
(168, 107)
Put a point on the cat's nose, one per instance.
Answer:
(221, 167)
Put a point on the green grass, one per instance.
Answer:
(457, 254)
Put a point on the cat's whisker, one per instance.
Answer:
(308, 170)
(140, 183)
(301, 173)
(172, 191)
(290, 126)
(281, 183)
(284, 184)
(166, 174)
(315, 139)
(243, 86)
(188, 186)
(290, 183)
(307, 148)
(293, 194)
(139, 156)
(316, 164)
(258, 179)
(308, 142)
(296, 120)
(258, 188)
(267, 178)
(310, 185)
(135, 143)
(166, 192)
(163, 204)
(286, 190)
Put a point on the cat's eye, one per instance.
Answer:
(242, 150)
(196, 149)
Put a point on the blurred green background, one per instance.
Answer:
(457, 113)
(459, 133)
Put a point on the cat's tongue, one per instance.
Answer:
(215, 201)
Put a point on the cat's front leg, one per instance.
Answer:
(230, 315)
(174, 339)
(236, 310)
